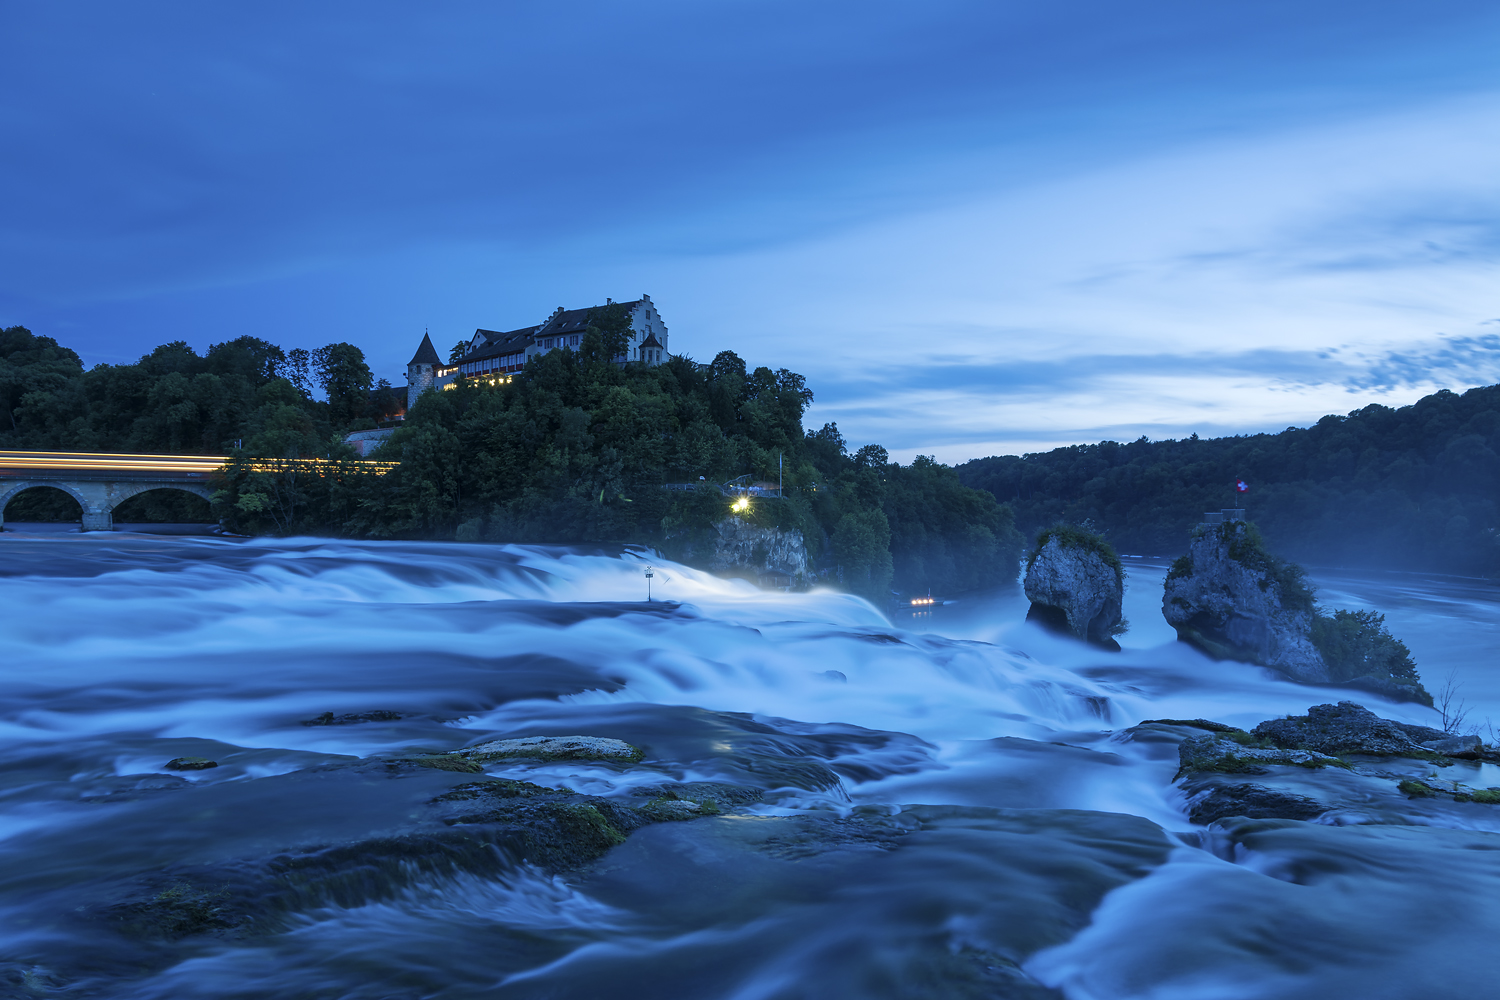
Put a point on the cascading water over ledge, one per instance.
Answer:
(814, 801)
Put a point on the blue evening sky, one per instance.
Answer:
(977, 228)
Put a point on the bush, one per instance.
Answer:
(1357, 644)
(1071, 536)
(1248, 548)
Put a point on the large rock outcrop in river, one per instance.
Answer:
(1233, 600)
(1076, 585)
(742, 547)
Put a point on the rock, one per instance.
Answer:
(1226, 598)
(1347, 728)
(1213, 727)
(712, 796)
(1253, 802)
(351, 719)
(740, 546)
(1455, 745)
(1416, 789)
(1388, 687)
(439, 762)
(191, 764)
(552, 748)
(1076, 587)
(1242, 754)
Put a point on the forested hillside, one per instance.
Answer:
(172, 400)
(1407, 488)
(575, 449)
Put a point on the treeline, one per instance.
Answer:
(175, 401)
(575, 449)
(1408, 488)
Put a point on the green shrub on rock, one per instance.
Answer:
(1357, 644)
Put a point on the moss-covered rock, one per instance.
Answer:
(1076, 585)
(1224, 753)
(1233, 600)
(1349, 727)
(550, 748)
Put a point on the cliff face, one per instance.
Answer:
(1236, 610)
(1075, 590)
(742, 548)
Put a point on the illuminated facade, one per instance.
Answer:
(494, 356)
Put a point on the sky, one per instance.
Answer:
(977, 228)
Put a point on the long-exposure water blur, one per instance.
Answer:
(823, 802)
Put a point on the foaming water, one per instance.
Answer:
(946, 806)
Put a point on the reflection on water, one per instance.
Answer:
(829, 803)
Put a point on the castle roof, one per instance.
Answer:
(563, 321)
(577, 320)
(426, 354)
(651, 341)
(497, 343)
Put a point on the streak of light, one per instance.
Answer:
(182, 465)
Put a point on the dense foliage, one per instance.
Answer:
(576, 448)
(1414, 487)
(1352, 643)
(1357, 644)
(175, 401)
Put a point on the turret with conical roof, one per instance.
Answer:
(421, 370)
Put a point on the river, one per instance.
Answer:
(949, 806)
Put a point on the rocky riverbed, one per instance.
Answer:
(412, 771)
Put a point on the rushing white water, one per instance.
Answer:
(987, 826)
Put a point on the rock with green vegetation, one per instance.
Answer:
(1238, 752)
(1415, 788)
(1076, 585)
(1233, 600)
(1349, 727)
(1361, 652)
(548, 748)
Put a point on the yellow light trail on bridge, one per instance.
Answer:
(86, 461)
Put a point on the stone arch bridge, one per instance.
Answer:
(101, 482)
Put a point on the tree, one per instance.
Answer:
(612, 323)
(862, 546)
(343, 375)
(31, 364)
(457, 351)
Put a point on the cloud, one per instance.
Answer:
(973, 226)
(1457, 361)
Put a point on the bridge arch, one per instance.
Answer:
(98, 499)
(184, 503)
(10, 489)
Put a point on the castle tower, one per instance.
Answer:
(421, 370)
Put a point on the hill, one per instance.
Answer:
(1407, 488)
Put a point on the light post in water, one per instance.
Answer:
(649, 575)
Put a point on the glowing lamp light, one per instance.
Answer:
(741, 505)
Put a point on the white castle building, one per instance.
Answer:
(494, 355)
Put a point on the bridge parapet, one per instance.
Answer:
(100, 482)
